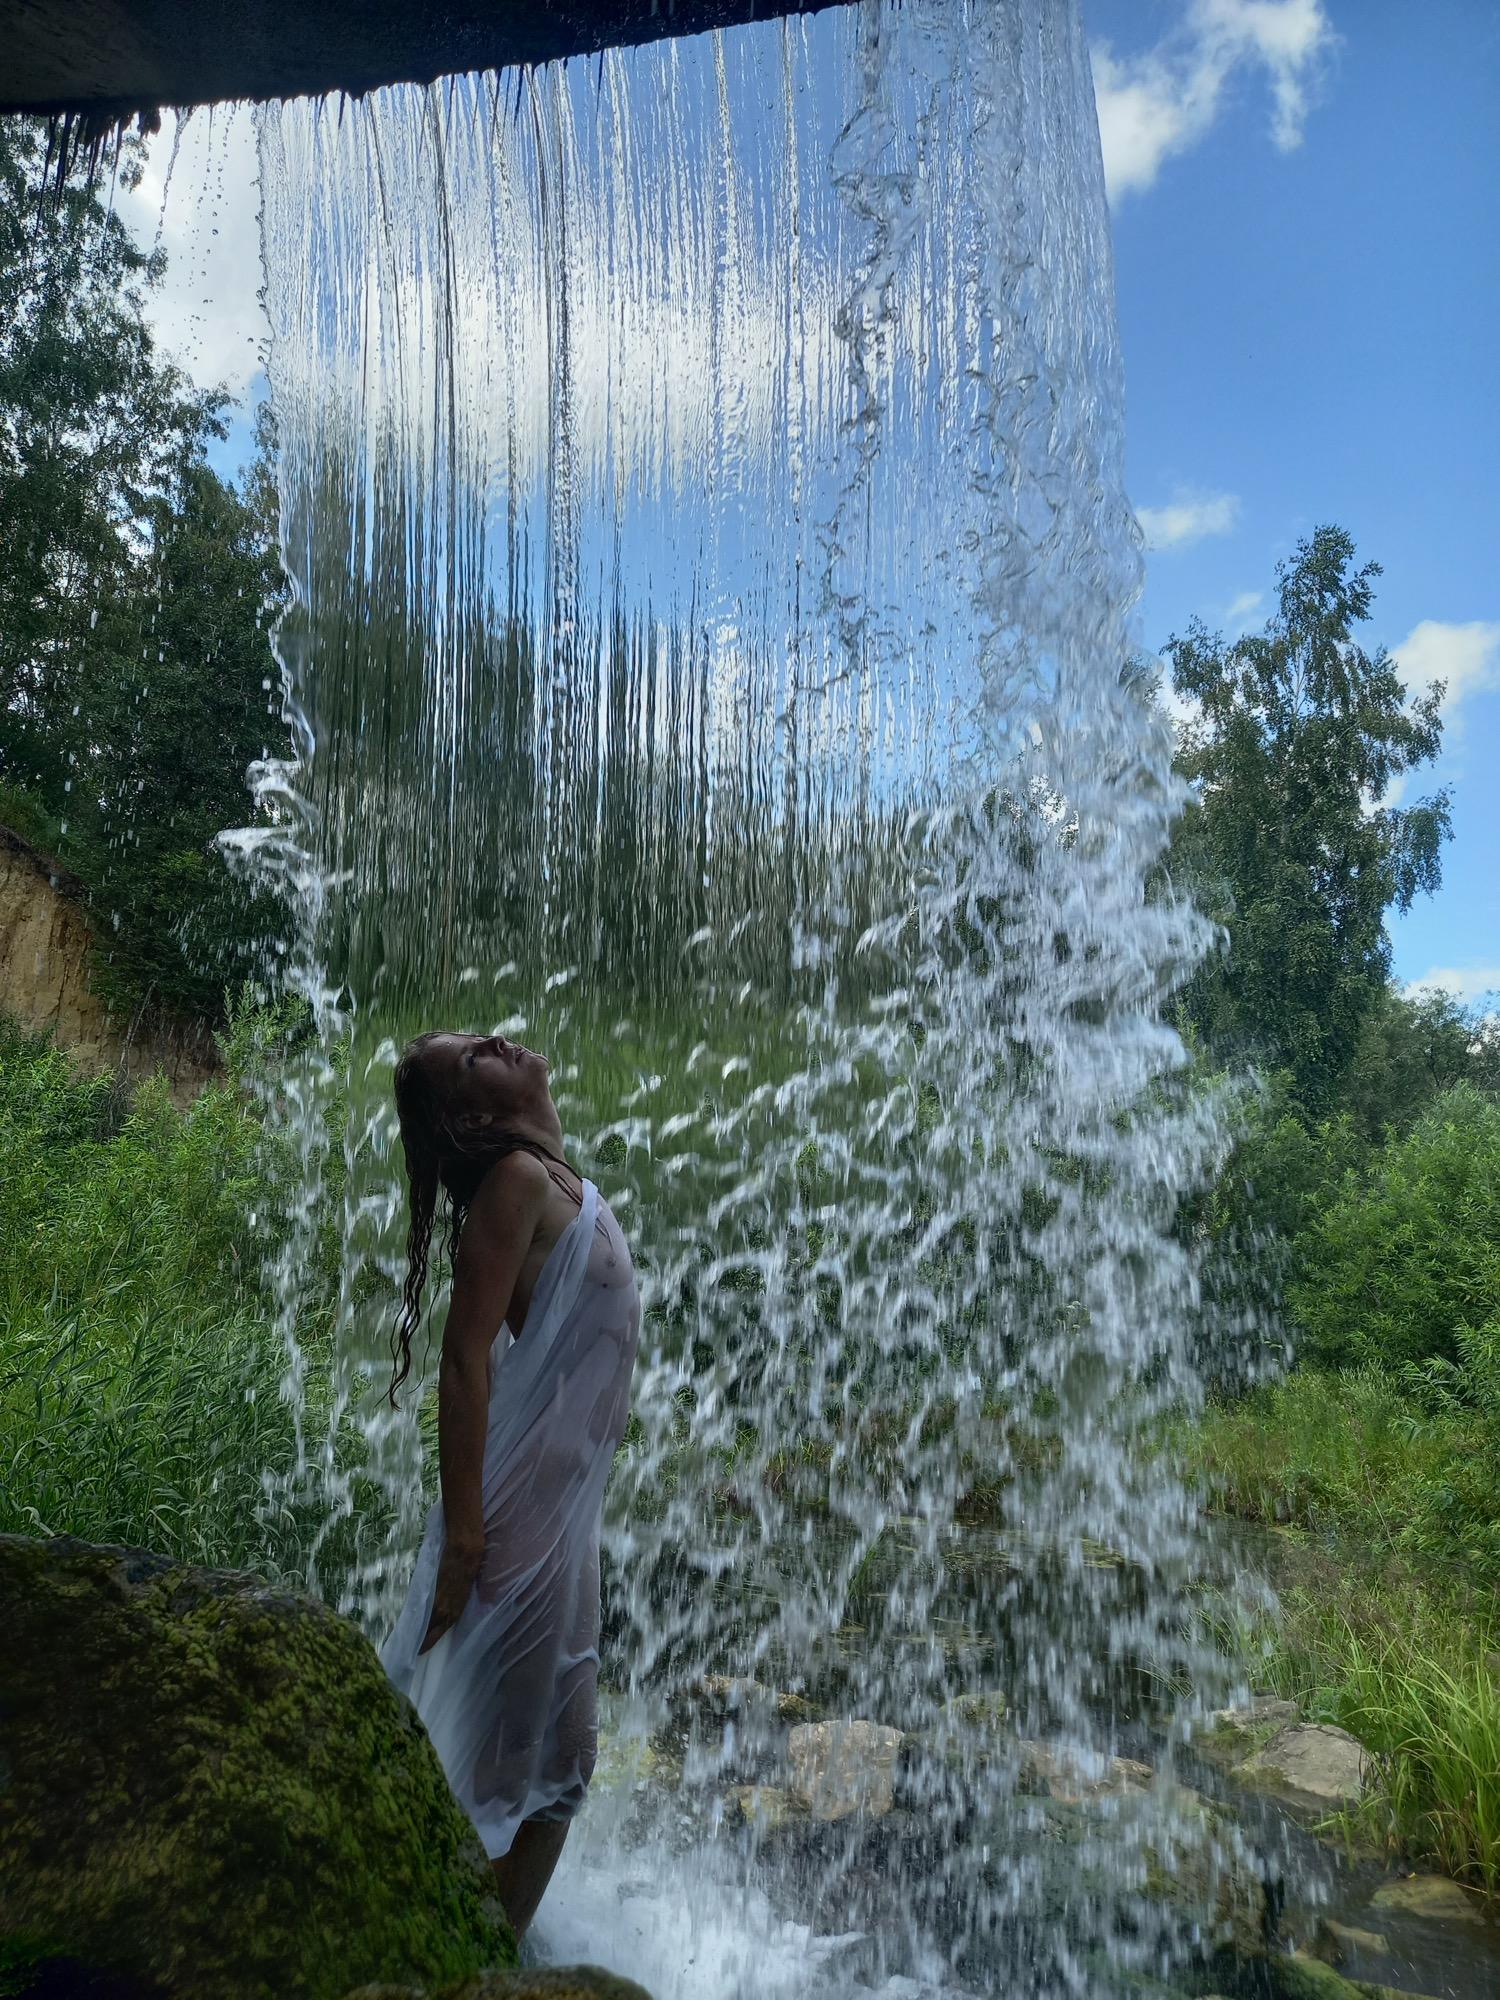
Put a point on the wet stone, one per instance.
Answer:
(1342, 1944)
(726, 1697)
(839, 1768)
(764, 1807)
(1311, 1764)
(1261, 1709)
(1234, 1734)
(977, 1711)
(1070, 1781)
(1434, 1897)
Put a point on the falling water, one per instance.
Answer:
(710, 659)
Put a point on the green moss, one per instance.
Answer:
(213, 1784)
(38, 1968)
(546, 1982)
(1280, 1975)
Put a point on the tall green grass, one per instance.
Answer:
(1390, 1482)
(139, 1367)
(1434, 1724)
(1400, 1460)
(1411, 1670)
(148, 1426)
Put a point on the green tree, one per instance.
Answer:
(1299, 734)
(1413, 1048)
(135, 588)
(91, 420)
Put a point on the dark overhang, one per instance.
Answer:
(101, 61)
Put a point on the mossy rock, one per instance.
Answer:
(1234, 1734)
(1297, 1978)
(550, 1982)
(209, 1787)
(33, 1967)
(1279, 1975)
(1435, 1898)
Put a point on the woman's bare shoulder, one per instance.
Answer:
(518, 1177)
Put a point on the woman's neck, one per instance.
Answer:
(546, 1133)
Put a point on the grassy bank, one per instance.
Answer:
(1387, 1500)
(139, 1367)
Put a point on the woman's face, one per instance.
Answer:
(487, 1078)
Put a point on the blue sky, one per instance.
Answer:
(1306, 206)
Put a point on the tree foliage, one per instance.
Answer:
(1406, 1258)
(1298, 736)
(1412, 1048)
(135, 587)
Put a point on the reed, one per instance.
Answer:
(1414, 1675)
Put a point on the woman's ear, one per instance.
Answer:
(471, 1123)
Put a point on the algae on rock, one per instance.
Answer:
(545, 1982)
(211, 1785)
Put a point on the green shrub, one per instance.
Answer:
(1407, 1256)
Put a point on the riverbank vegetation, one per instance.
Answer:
(1354, 1233)
(139, 1372)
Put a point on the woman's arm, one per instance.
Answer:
(497, 1234)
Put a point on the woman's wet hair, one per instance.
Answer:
(438, 1160)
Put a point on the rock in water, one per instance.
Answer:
(1065, 1778)
(1336, 1944)
(210, 1786)
(840, 1768)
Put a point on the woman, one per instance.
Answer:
(497, 1644)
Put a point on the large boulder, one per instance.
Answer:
(1311, 1765)
(547, 1982)
(209, 1787)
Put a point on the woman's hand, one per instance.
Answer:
(457, 1570)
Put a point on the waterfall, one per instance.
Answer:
(710, 658)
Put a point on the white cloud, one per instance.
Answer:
(1187, 519)
(1241, 610)
(1466, 658)
(204, 209)
(1464, 982)
(1163, 102)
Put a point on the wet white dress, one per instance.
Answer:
(509, 1694)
